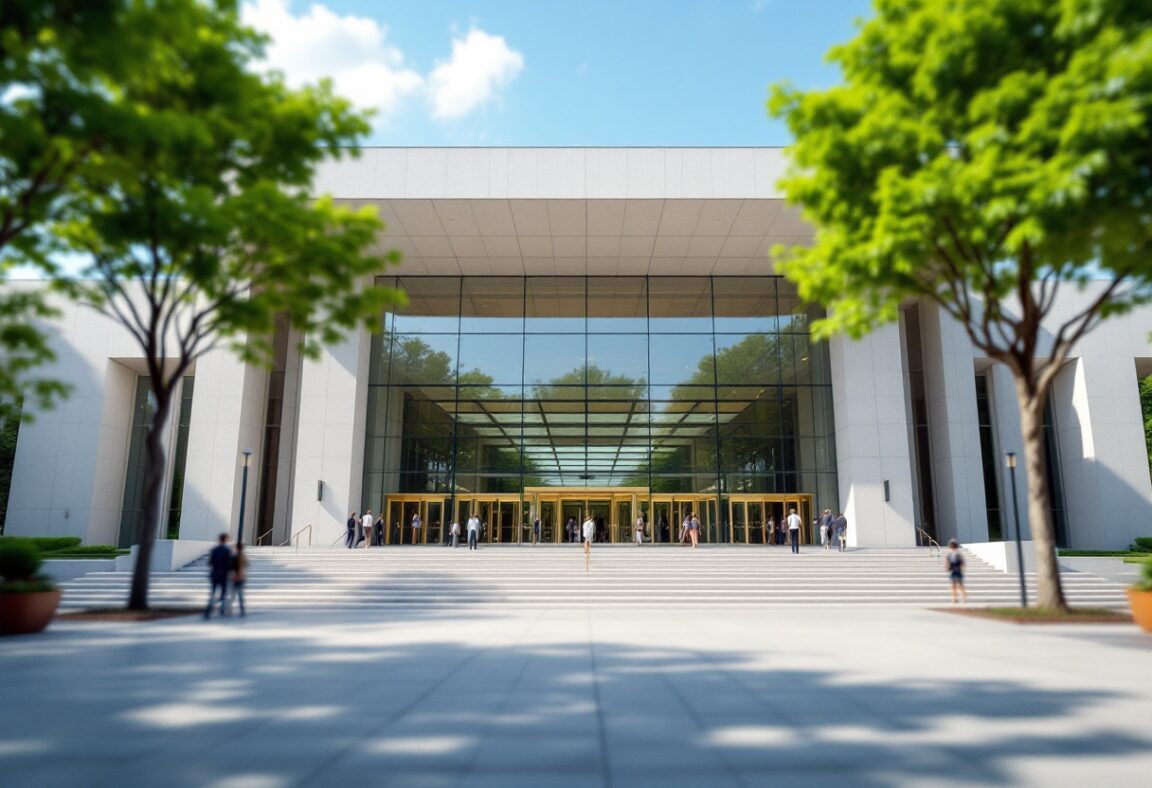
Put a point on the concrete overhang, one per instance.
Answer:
(574, 211)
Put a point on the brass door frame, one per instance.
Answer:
(422, 501)
(584, 496)
(802, 502)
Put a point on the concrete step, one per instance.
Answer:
(554, 576)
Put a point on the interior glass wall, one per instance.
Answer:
(684, 386)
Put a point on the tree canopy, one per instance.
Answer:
(982, 156)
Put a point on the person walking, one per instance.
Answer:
(379, 528)
(841, 530)
(954, 563)
(219, 566)
(693, 529)
(827, 529)
(416, 528)
(536, 530)
(684, 528)
(773, 536)
(571, 528)
(455, 533)
(366, 528)
(589, 535)
(473, 531)
(350, 539)
(794, 530)
(239, 575)
(640, 530)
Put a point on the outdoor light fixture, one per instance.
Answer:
(1010, 461)
(243, 496)
(320, 490)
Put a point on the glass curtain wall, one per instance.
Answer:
(679, 384)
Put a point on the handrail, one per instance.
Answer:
(260, 538)
(339, 538)
(295, 538)
(933, 545)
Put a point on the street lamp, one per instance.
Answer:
(1010, 460)
(243, 496)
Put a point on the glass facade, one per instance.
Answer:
(677, 385)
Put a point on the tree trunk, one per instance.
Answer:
(1049, 589)
(154, 465)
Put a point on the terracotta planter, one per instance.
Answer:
(1141, 604)
(23, 614)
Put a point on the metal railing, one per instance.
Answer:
(295, 538)
(260, 538)
(925, 537)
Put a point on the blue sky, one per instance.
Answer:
(631, 72)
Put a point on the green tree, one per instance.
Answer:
(983, 156)
(201, 232)
(57, 115)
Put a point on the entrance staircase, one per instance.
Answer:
(380, 578)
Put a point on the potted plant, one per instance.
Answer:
(1140, 597)
(28, 599)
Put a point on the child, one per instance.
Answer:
(954, 563)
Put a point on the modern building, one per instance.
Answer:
(589, 331)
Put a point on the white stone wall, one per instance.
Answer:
(330, 438)
(872, 439)
(571, 173)
(953, 426)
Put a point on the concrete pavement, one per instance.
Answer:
(686, 695)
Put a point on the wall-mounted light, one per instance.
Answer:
(887, 491)
(320, 490)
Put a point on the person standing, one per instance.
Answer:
(416, 528)
(219, 566)
(794, 530)
(827, 529)
(379, 528)
(350, 539)
(684, 527)
(662, 526)
(536, 530)
(366, 528)
(570, 527)
(473, 531)
(954, 563)
(455, 533)
(640, 530)
(773, 537)
(693, 530)
(239, 575)
(841, 530)
(589, 535)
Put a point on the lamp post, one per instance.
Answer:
(243, 496)
(1010, 461)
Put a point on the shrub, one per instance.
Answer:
(109, 550)
(45, 544)
(1142, 544)
(20, 567)
(1145, 581)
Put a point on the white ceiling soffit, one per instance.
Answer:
(600, 237)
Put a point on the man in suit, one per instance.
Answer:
(350, 539)
(219, 565)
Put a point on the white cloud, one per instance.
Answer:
(480, 64)
(364, 67)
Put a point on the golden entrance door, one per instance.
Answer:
(562, 511)
(399, 511)
(499, 516)
(759, 518)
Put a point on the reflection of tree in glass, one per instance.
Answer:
(590, 383)
(754, 358)
(413, 361)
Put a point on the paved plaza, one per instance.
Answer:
(679, 695)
